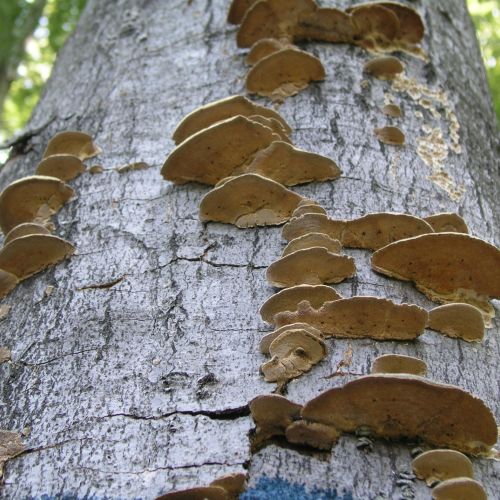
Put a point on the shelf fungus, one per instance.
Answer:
(459, 320)
(447, 223)
(293, 353)
(311, 240)
(447, 267)
(274, 125)
(266, 341)
(384, 68)
(392, 110)
(308, 208)
(289, 166)
(266, 47)
(61, 166)
(216, 151)
(221, 110)
(72, 143)
(234, 484)
(284, 73)
(439, 465)
(390, 135)
(312, 434)
(371, 231)
(32, 199)
(8, 282)
(199, 493)
(29, 255)
(25, 229)
(360, 317)
(289, 299)
(249, 200)
(398, 363)
(311, 266)
(407, 407)
(460, 488)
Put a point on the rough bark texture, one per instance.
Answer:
(142, 388)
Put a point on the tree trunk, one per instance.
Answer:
(142, 388)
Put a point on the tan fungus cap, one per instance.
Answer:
(64, 167)
(460, 488)
(312, 208)
(265, 47)
(310, 240)
(390, 135)
(72, 143)
(447, 223)
(234, 484)
(384, 68)
(462, 321)
(200, 493)
(24, 229)
(439, 465)
(266, 341)
(319, 436)
(398, 363)
(8, 282)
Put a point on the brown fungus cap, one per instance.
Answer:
(447, 223)
(390, 135)
(325, 24)
(216, 151)
(374, 26)
(289, 298)
(447, 267)
(234, 484)
(72, 143)
(274, 125)
(64, 167)
(384, 68)
(220, 110)
(291, 166)
(29, 255)
(319, 436)
(406, 406)
(308, 209)
(8, 282)
(313, 240)
(200, 493)
(460, 488)
(462, 321)
(284, 73)
(392, 110)
(397, 363)
(25, 199)
(265, 47)
(238, 9)
(439, 465)
(311, 266)
(266, 341)
(249, 200)
(24, 229)
(361, 317)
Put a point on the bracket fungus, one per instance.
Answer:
(360, 317)
(311, 208)
(390, 135)
(384, 68)
(310, 240)
(460, 488)
(439, 465)
(284, 73)
(8, 282)
(293, 352)
(61, 166)
(72, 143)
(234, 484)
(216, 151)
(460, 320)
(392, 110)
(199, 493)
(265, 47)
(30, 254)
(409, 407)
(371, 231)
(274, 125)
(397, 363)
(311, 266)
(266, 341)
(249, 200)
(221, 110)
(313, 434)
(289, 299)
(25, 229)
(32, 197)
(447, 267)
(447, 223)
(289, 166)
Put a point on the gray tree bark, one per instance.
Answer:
(142, 388)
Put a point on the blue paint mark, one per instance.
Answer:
(268, 488)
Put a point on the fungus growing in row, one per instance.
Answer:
(325, 24)
(64, 167)
(360, 317)
(266, 47)
(289, 298)
(447, 267)
(25, 229)
(460, 488)
(29, 255)
(216, 151)
(308, 209)
(266, 341)
(293, 352)
(238, 9)
(311, 266)
(274, 125)
(407, 406)
(284, 73)
(30, 198)
(249, 200)
(221, 110)
(313, 434)
(8, 282)
(460, 320)
(439, 465)
(371, 231)
(447, 223)
(392, 110)
(311, 240)
(384, 68)
(289, 166)
(199, 493)
(397, 363)
(72, 143)
(390, 135)
(234, 484)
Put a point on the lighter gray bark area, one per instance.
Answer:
(142, 388)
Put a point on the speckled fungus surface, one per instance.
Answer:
(447, 223)
(462, 321)
(72, 143)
